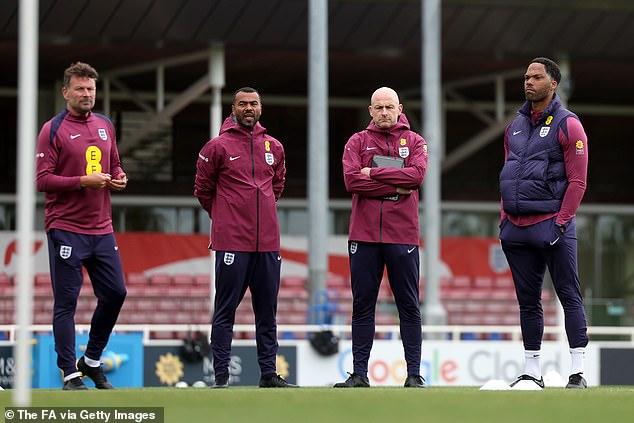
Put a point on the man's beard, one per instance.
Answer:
(536, 96)
(249, 124)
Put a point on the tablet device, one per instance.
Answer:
(388, 161)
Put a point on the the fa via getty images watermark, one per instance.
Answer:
(87, 414)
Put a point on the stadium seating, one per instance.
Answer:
(182, 298)
(487, 301)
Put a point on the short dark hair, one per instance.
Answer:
(551, 67)
(79, 69)
(246, 90)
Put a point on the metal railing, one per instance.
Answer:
(447, 332)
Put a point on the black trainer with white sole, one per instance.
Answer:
(221, 381)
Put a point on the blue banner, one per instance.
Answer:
(122, 360)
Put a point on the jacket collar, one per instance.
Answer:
(232, 126)
(554, 105)
(401, 125)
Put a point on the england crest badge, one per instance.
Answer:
(403, 152)
(544, 131)
(353, 247)
(103, 134)
(228, 259)
(269, 158)
(65, 251)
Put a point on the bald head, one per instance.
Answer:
(384, 93)
(385, 108)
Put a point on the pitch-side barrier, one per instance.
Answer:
(446, 332)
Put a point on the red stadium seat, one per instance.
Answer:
(5, 280)
(337, 281)
(503, 282)
(42, 279)
(292, 281)
(483, 282)
(6, 285)
(461, 281)
(455, 293)
(293, 293)
(182, 279)
(202, 279)
(162, 279)
(136, 279)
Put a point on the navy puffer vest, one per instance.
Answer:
(533, 179)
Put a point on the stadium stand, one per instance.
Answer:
(181, 298)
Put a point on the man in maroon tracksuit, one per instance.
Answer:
(239, 177)
(384, 230)
(77, 167)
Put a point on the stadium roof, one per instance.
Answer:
(268, 39)
(371, 43)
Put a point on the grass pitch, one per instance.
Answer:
(327, 405)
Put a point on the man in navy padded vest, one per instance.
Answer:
(542, 183)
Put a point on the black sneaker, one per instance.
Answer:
(74, 384)
(222, 381)
(275, 381)
(94, 373)
(354, 381)
(414, 381)
(539, 382)
(576, 381)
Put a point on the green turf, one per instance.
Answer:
(386, 405)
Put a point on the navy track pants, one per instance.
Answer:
(529, 250)
(235, 272)
(99, 254)
(367, 263)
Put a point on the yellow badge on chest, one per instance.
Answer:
(93, 160)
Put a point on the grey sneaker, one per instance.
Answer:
(354, 381)
(94, 373)
(414, 381)
(576, 381)
(539, 382)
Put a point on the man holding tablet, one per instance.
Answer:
(383, 167)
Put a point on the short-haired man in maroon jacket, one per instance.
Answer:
(239, 177)
(78, 164)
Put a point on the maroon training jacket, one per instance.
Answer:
(374, 219)
(240, 175)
